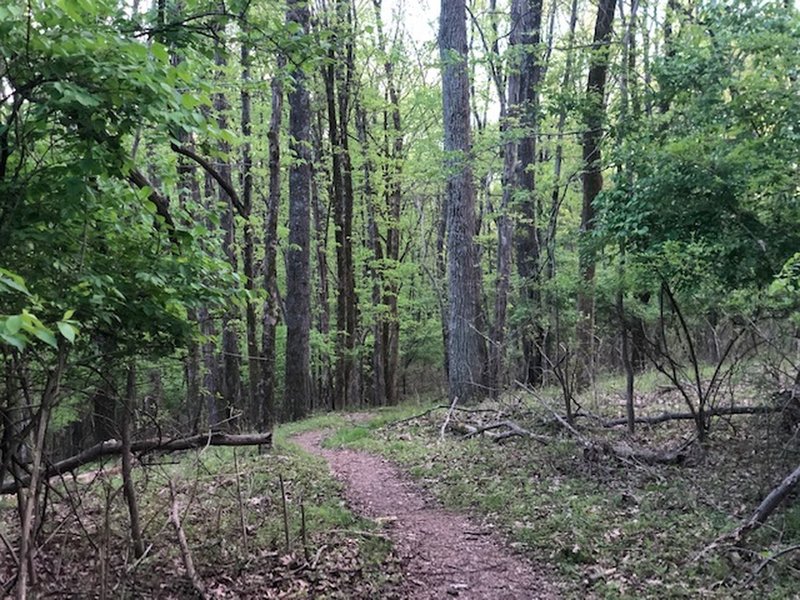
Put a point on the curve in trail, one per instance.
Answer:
(445, 554)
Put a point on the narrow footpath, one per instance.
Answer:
(444, 554)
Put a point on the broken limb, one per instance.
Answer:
(114, 447)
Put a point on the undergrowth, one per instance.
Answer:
(610, 529)
(234, 525)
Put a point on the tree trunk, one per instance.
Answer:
(393, 131)
(210, 387)
(375, 270)
(298, 292)
(322, 377)
(255, 392)
(592, 177)
(271, 304)
(338, 77)
(231, 371)
(466, 345)
(526, 18)
(127, 463)
(504, 222)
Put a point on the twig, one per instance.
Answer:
(186, 552)
(303, 531)
(10, 548)
(773, 558)
(447, 418)
(242, 519)
(318, 555)
(361, 533)
(285, 514)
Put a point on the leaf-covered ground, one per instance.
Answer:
(611, 528)
(235, 529)
(604, 528)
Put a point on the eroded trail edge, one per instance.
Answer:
(445, 554)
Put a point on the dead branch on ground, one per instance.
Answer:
(114, 447)
(186, 553)
(685, 416)
(760, 515)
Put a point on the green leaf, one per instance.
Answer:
(13, 324)
(13, 281)
(67, 330)
(13, 340)
(46, 336)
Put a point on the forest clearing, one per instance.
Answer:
(387, 299)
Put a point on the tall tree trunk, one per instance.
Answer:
(375, 269)
(629, 111)
(231, 370)
(323, 376)
(271, 304)
(298, 292)
(338, 78)
(466, 345)
(559, 189)
(592, 177)
(255, 392)
(390, 322)
(526, 18)
(504, 222)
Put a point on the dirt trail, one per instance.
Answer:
(444, 553)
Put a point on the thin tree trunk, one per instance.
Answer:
(255, 395)
(271, 304)
(592, 177)
(31, 495)
(323, 378)
(338, 77)
(376, 249)
(210, 388)
(505, 224)
(390, 333)
(231, 371)
(127, 463)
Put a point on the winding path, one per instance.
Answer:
(444, 553)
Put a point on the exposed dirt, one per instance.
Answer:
(445, 554)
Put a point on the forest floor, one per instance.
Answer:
(383, 505)
(443, 552)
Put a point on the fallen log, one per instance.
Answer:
(622, 451)
(759, 516)
(114, 447)
(715, 412)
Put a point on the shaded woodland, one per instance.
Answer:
(216, 217)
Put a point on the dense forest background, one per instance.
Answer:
(225, 215)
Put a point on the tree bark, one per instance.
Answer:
(466, 345)
(526, 17)
(504, 222)
(338, 77)
(272, 301)
(231, 369)
(255, 392)
(592, 176)
(298, 291)
(127, 463)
